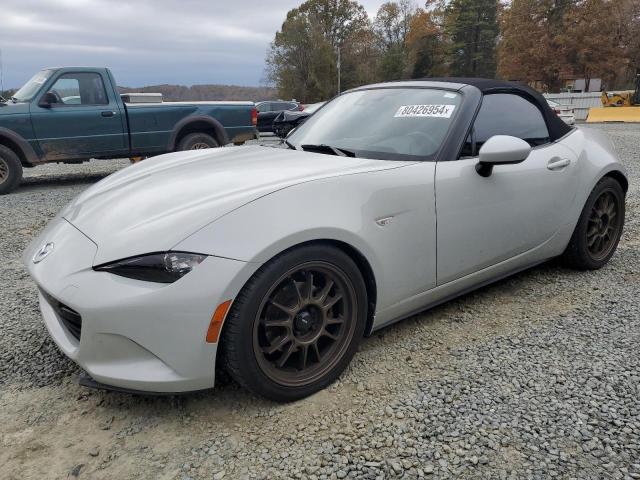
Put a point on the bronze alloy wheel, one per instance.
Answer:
(4, 171)
(305, 323)
(604, 225)
(200, 146)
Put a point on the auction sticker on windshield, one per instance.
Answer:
(433, 111)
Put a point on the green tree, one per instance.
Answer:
(472, 28)
(302, 60)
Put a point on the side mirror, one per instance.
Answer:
(501, 150)
(47, 100)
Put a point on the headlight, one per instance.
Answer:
(155, 267)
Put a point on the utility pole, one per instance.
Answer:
(339, 87)
(1, 74)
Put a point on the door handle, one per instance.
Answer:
(108, 113)
(558, 163)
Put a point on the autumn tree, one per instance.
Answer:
(391, 27)
(591, 47)
(302, 60)
(626, 22)
(427, 46)
(530, 48)
(472, 28)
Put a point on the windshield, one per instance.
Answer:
(384, 123)
(29, 90)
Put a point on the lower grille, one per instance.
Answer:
(71, 319)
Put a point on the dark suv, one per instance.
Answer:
(269, 110)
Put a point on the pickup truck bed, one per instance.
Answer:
(152, 126)
(73, 114)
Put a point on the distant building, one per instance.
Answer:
(581, 85)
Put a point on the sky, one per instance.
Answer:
(144, 42)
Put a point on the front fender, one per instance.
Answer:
(388, 216)
(18, 142)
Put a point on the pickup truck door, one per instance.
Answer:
(483, 221)
(77, 118)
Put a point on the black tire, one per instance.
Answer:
(581, 253)
(246, 360)
(197, 141)
(10, 170)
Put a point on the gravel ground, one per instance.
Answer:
(534, 377)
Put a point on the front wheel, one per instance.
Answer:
(599, 228)
(197, 141)
(10, 170)
(296, 324)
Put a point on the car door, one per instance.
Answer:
(80, 120)
(483, 221)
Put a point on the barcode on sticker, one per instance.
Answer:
(436, 111)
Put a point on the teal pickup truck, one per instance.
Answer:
(74, 114)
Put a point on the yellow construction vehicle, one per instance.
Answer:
(618, 107)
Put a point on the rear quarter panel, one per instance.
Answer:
(596, 157)
(150, 125)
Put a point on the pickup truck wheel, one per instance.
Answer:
(10, 170)
(197, 141)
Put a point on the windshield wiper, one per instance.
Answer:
(341, 152)
(290, 145)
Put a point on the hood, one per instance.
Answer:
(153, 205)
(11, 108)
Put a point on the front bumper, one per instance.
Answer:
(134, 335)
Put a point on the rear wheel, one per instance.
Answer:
(197, 141)
(10, 170)
(599, 228)
(296, 324)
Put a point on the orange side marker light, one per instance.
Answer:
(213, 333)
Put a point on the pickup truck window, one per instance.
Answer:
(29, 89)
(79, 89)
(263, 107)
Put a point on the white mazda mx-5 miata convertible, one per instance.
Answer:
(275, 262)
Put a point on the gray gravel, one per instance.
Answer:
(534, 377)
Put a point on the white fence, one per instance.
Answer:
(581, 102)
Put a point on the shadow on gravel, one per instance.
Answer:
(508, 285)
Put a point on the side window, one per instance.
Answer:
(506, 114)
(284, 106)
(79, 89)
(263, 107)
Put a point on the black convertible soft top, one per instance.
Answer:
(557, 128)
